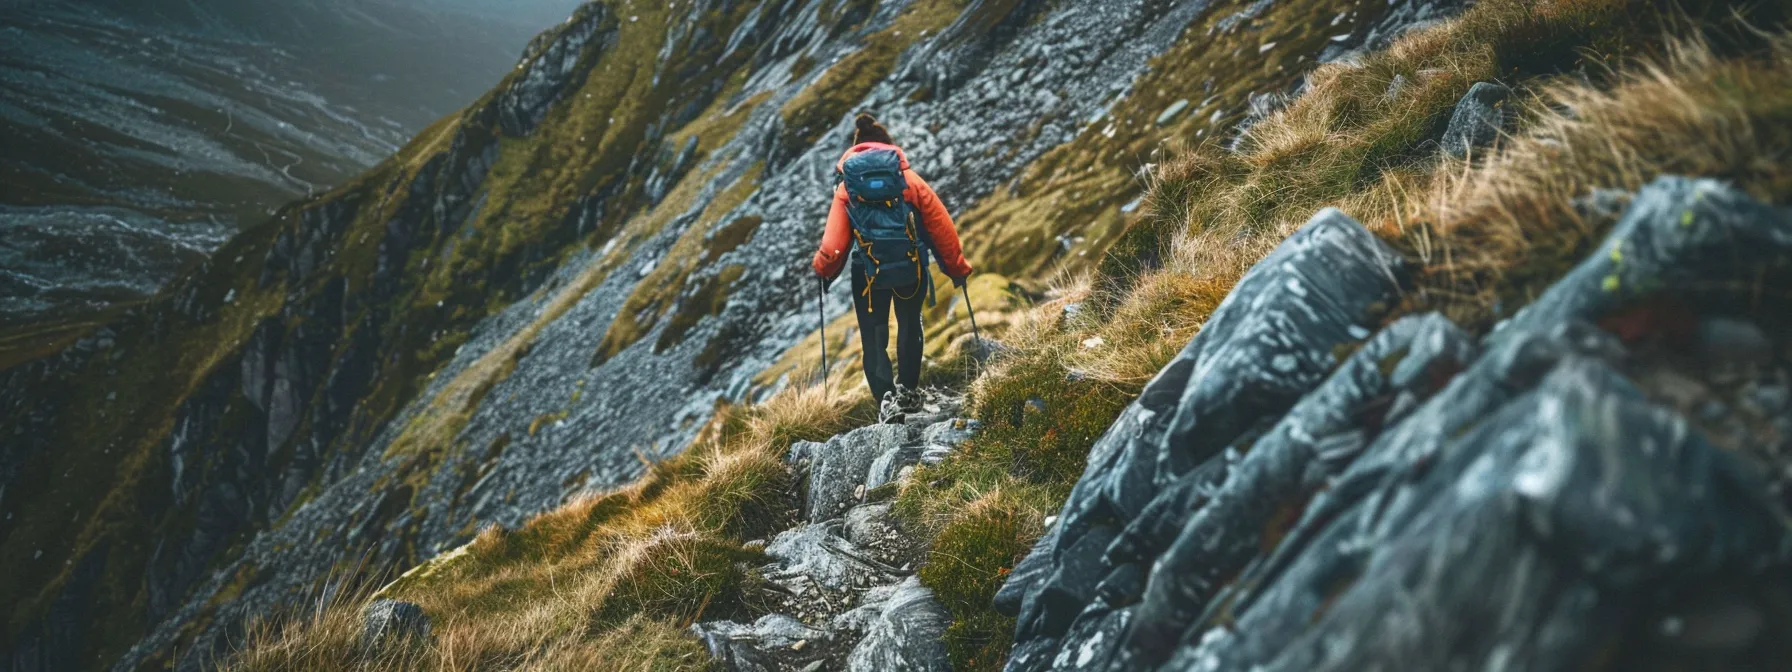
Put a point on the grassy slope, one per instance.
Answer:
(586, 581)
(1483, 230)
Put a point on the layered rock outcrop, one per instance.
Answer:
(1408, 496)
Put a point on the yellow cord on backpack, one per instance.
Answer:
(876, 266)
(913, 256)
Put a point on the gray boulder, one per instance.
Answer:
(1222, 525)
(908, 634)
(1525, 544)
(387, 623)
(868, 524)
(1273, 337)
(1478, 119)
(774, 642)
(1267, 344)
(817, 554)
(837, 468)
(889, 465)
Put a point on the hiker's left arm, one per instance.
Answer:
(940, 229)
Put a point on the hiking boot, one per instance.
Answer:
(890, 411)
(910, 400)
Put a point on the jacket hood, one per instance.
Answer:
(868, 146)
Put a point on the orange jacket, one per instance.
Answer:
(837, 239)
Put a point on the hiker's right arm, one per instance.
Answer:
(940, 229)
(835, 239)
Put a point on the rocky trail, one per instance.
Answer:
(842, 579)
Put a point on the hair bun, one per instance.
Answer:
(866, 129)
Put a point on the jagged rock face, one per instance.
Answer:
(1437, 503)
(552, 64)
(1271, 339)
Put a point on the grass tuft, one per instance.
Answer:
(970, 557)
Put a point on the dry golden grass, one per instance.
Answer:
(1162, 310)
(612, 576)
(1498, 232)
(328, 640)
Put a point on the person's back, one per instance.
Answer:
(887, 219)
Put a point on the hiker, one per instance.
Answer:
(891, 220)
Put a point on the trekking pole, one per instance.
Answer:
(821, 312)
(965, 290)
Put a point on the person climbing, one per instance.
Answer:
(891, 220)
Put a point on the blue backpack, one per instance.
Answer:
(888, 243)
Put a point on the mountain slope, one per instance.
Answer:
(541, 295)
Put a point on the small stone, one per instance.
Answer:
(1478, 118)
(385, 622)
(1170, 113)
(1395, 86)
(798, 646)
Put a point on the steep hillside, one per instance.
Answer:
(552, 293)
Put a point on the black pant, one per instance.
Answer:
(874, 332)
